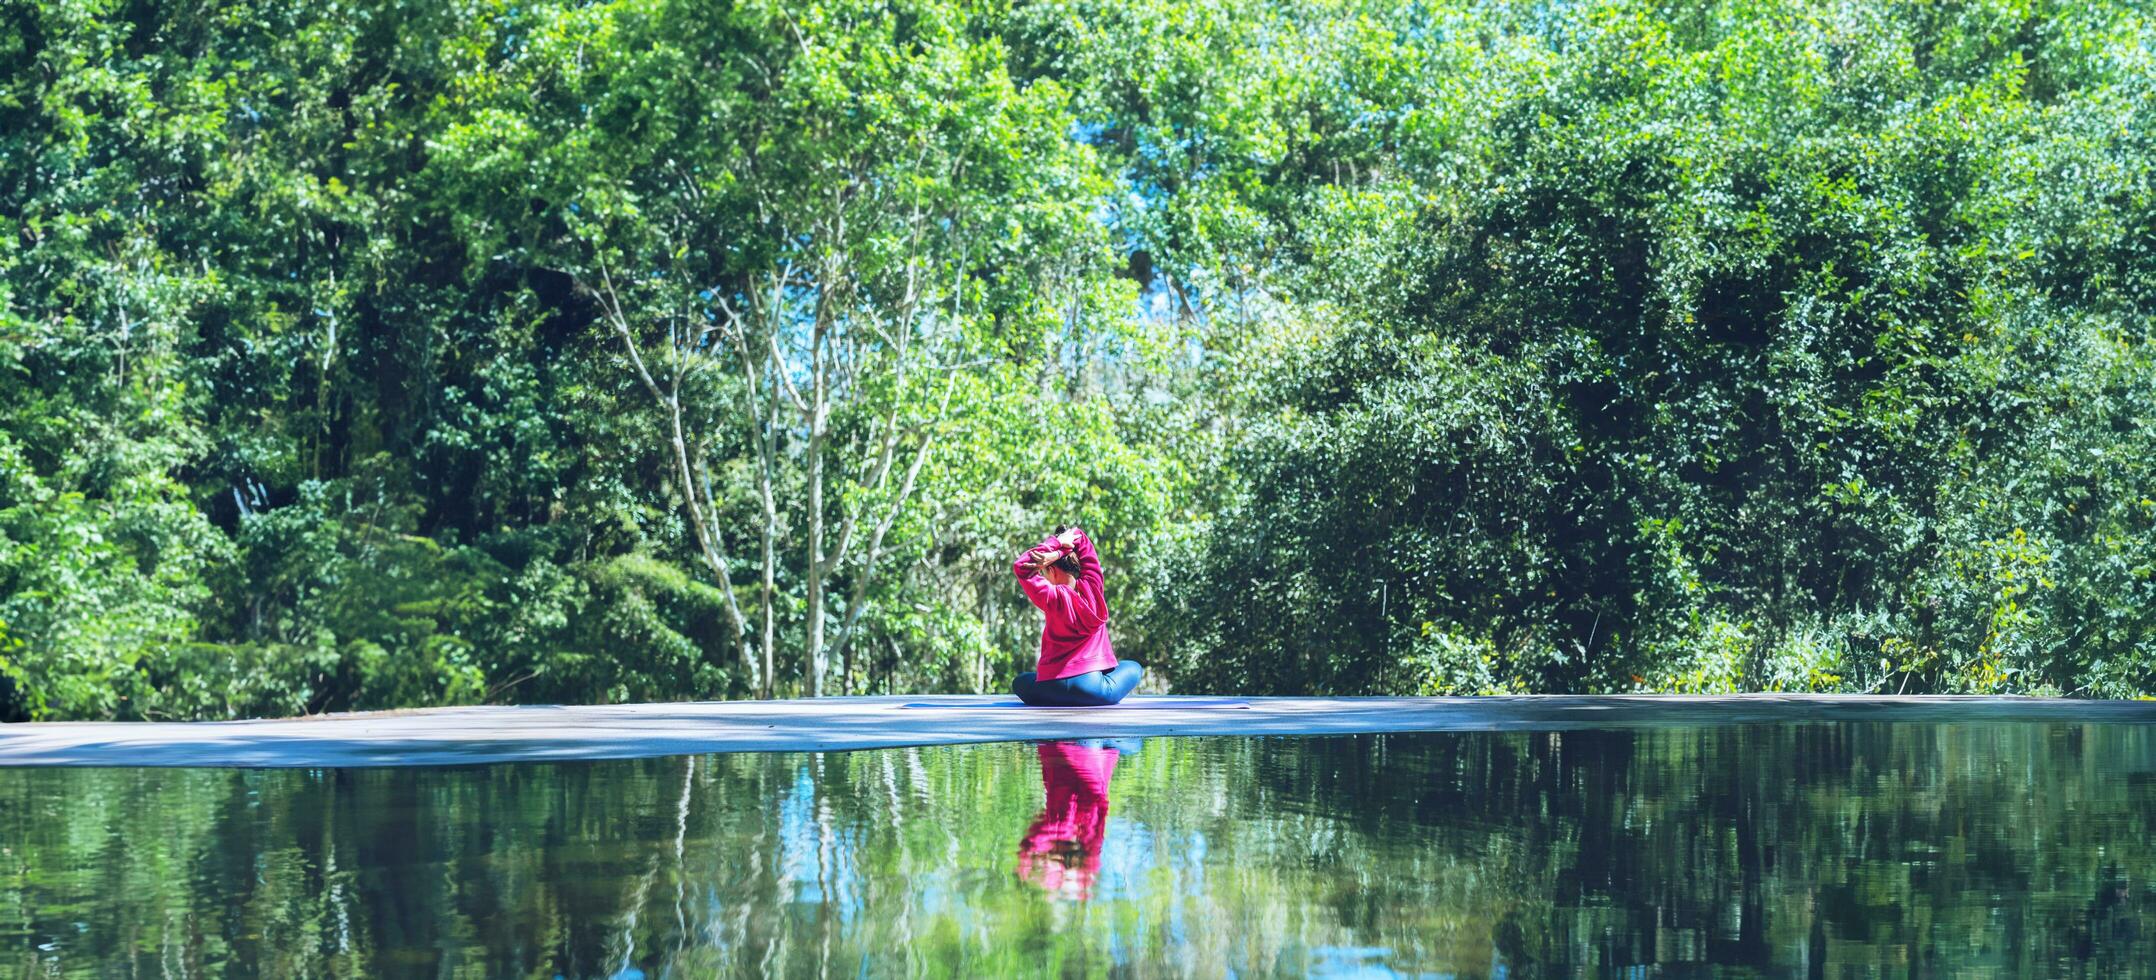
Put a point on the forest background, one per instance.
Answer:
(372, 354)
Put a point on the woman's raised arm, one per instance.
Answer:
(1035, 585)
(1088, 562)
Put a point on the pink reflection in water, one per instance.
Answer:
(1061, 851)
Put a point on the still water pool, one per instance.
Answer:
(2024, 849)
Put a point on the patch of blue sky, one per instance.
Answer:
(1089, 131)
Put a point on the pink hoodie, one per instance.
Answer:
(1075, 638)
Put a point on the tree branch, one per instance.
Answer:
(712, 547)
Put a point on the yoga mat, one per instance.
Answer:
(1142, 705)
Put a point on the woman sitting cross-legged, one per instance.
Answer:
(1061, 575)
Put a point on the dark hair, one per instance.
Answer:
(1069, 562)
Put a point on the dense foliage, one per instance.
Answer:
(1787, 346)
(377, 354)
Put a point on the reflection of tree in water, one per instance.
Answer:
(1913, 847)
(1904, 849)
(2110, 931)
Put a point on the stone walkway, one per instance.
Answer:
(454, 736)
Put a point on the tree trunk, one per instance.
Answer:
(813, 668)
(709, 544)
(763, 427)
(770, 584)
(859, 599)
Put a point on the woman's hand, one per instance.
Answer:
(1069, 538)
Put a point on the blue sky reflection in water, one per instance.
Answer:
(1866, 848)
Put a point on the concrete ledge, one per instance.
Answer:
(455, 736)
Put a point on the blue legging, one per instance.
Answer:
(1092, 688)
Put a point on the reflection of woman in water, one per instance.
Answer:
(1077, 667)
(1061, 851)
